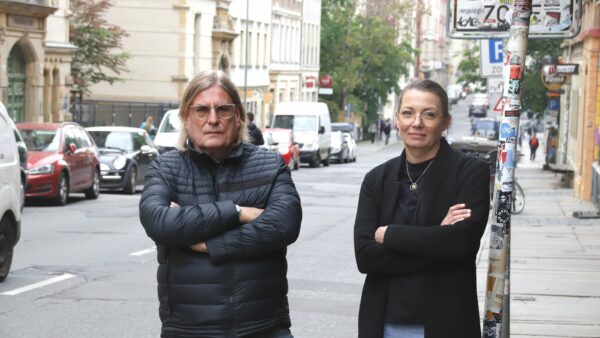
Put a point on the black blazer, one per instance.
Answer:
(443, 256)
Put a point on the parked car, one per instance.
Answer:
(339, 148)
(125, 155)
(11, 191)
(486, 127)
(352, 147)
(62, 159)
(311, 124)
(282, 140)
(479, 105)
(168, 131)
(22, 149)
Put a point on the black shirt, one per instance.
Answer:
(405, 307)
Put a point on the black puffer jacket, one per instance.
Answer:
(239, 288)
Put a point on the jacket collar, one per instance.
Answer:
(235, 153)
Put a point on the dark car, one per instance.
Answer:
(125, 155)
(62, 158)
(477, 111)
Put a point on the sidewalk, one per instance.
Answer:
(555, 259)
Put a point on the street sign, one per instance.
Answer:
(491, 57)
(567, 69)
(482, 19)
(495, 85)
(498, 105)
(326, 91)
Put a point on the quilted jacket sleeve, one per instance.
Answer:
(373, 257)
(183, 226)
(277, 227)
(456, 241)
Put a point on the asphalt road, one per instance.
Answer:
(88, 270)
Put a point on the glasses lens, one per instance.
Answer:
(225, 110)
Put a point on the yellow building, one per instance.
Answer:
(35, 55)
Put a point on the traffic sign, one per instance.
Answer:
(498, 105)
(491, 57)
(482, 19)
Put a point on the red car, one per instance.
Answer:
(282, 140)
(61, 158)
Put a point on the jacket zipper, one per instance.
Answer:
(231, 279)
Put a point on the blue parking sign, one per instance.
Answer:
(495, 50)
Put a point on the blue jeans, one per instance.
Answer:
(403, 331)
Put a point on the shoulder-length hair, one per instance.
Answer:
(201, 82)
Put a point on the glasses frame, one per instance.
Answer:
(194, 113)
(426, 121)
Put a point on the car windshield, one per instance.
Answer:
(41, 139)
(171, 124)
(113, 139)
(279, 137)
(295, 122)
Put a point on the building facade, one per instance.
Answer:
(579, 128)
(35, 55)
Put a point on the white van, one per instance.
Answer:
(11, 192)
(312, 127)
(168, 131)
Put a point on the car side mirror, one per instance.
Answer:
(321, 130)
(72, 148)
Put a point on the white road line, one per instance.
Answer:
(143, 252)
(39, 284)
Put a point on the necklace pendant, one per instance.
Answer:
(413, 186)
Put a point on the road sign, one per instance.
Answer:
(491, 57)
(326, 91)
(481, 19)
(498, 105)
(495, 85)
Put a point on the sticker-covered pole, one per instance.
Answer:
(497, 297)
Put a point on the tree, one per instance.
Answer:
(362, 55)
(96, 59)
(469, 66)
(534, 97)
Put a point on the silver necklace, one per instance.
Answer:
(413, 184)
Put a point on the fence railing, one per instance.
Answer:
(110, 113)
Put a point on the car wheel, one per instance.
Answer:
(94, 191)
(6, 246)
(131, 183)
(62, 195)
(326, 161)
(316, 162)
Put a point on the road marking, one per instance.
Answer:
(39, 284)
(143, 252)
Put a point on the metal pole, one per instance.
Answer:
(497, 297)
(246, 58)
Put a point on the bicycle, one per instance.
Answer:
(518, 198)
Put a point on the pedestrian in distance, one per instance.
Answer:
(255, 133)
(387, 128)
(222, 212)
(533, 146)
(148, 125)
(373, 131)
(418, 225)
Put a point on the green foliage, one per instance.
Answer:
(96, 59)
(534, 92)
(362, 55)
(469, 68)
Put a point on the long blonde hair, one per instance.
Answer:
(201, 82)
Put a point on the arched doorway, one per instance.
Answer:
(16, 84)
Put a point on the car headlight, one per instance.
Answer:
(120, 162)
(43, 169)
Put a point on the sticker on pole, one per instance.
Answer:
(484, 19)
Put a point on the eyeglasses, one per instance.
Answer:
(409, 116)
(223, 111)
